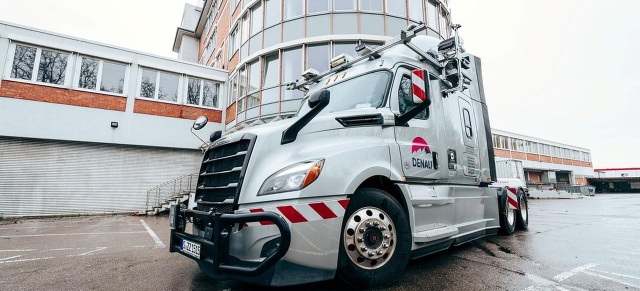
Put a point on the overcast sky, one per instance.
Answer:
(560, 70)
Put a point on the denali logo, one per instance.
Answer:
(419, 144)
(420, 163)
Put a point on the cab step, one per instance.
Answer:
(441, 231)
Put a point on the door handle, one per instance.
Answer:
(435, 160)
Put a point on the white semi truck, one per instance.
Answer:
(389, 158)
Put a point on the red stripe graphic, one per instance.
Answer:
(292, 214)
(323, 210)
(261, 222)
(512, 190)
(344, 203)
(510, 199)
(512, 202)
(418, 92)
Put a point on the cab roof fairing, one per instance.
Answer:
(387, 60)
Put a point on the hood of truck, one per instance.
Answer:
(323, 137)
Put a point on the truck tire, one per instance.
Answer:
(375, 242)
(507, 215)
(522, 214)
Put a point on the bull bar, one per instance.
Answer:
(216, 249)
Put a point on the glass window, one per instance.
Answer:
(272, 13)
(89, 74)
(202, 92)
(405, 98)
(371, 5)
(318, 57)
(443, 24)
(242, 87)
(23, 62)
(256, 19)
(317, 6)
(416, 10)
(233, 42)
(432, 15)
(397, 7)
(112, 79)
(270, 77)
(291, 70)
(210, 91)
(168, 89)
(344, 48)
(53, 67)
(467, 123)
(233, 91)
(253, 98)
(193, 91)
(293, 8)
(358, 92)
(245, 28)
(148, 83)
(344, 5)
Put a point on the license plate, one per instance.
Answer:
(190, 248)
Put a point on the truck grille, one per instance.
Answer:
(221, 175)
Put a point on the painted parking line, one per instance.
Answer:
(568, 274)
(9, 258)
(25, 260)
(65, 234)
(89, 252)
(16, 251)
(616, 274)
(612, 279)
(159, 243)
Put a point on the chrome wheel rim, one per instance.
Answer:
(369, 238)
(511, 216)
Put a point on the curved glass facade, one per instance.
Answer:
(271, 42)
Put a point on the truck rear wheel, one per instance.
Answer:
(507, 215)
(375, 241)
(522, 214)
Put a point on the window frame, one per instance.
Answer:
(78, 69)
(329, 8)
(284, 10)
(386, 9)
(180, 97)
(407, 76)
(466, 118)
(68, 77)
(382, 7)
(201, 97)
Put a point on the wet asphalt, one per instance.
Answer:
(581, 244)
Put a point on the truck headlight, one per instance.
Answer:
(291, 178)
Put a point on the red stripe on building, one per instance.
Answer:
(261, 222)
(292, 214)
(323, 210)
(344, 203)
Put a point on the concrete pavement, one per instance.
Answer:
(583, 244)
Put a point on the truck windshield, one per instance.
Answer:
(360, 92)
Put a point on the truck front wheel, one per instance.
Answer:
(523, 212)
(375, 241)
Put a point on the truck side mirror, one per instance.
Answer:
(200, 122)
(420, 80)
(421, 96)
(317, 101)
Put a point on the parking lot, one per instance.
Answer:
(583, 244)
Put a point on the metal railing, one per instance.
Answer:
(182, 185)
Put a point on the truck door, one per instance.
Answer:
(468, 159)
(418, 142)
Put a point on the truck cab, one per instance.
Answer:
(388, 158)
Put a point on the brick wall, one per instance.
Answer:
(231, 113)
(581, 181)
(518, 155)
(535, 177)
(545, 159)
(557, 160)
(49, 94)
(533, 157)
(175, 110)
(501, 153)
